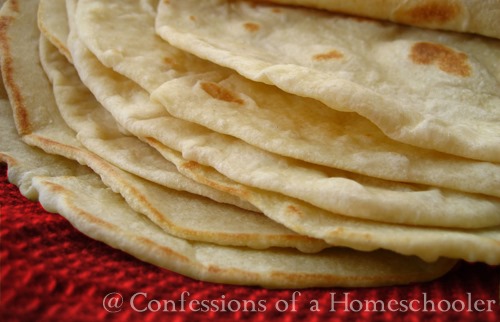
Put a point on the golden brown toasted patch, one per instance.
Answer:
(169, 60)
(171, 63)
(435, 12)
(446, 59)
(294, 210)
(14, 5)
(220, 93)
(333, 54)
(190, 165)
(252, 27)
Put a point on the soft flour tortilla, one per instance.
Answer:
(97, 131)
(426, 242)
(65, 187)
(303, 129)
(481, 17)
(183, 215)
(26, 162)
(330, 189)
(123, 97)
(481, 245)
(89, 205)
(180, 213)
(426, 88)
(262, 115)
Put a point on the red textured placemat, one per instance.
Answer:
(52, 272)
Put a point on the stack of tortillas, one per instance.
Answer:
(261, 144)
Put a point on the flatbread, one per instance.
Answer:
(337, 230)
(330, 189)
(180, 213)
(98, 132)
(428, 243)
(480, 17)
(261, 115)
(121, 97)
(431, 89)
(77, 193)
(65, 187)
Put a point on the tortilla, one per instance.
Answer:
(337, 230)
(303, 129)
(428, 243)
(430, 89)
(98, 132)
(263, 115)
(330, 189)
(78, 194)
(180, 213)
(473, 245)
(65, 187)
(480, 17)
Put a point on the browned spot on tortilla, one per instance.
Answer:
(192, 18)
(14, 5)
(277, 10)
(446, 59)
(170, 61)
(190, 165)
(294, 210)
(437, 12)
(166, 1)
(214, 269)
(15, 94)
(252, 27)
(333, 54)
(220, 93)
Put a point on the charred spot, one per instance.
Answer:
(292, 209)
(170, 61)
(446, 59)
(14, 5)
(220, 93)
(437, 12)
(333, 54)
(251, 26)
(190, 165)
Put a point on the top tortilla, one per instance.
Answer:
(479, 17)
(431, 89)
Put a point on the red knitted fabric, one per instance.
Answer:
(52, 272)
